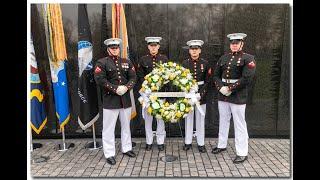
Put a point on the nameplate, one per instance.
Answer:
(169, 94)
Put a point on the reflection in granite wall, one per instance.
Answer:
(268, 30)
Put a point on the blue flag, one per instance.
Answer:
(38, 114)
(60, 90)
(57, 58)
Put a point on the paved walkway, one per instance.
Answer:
(267, 158)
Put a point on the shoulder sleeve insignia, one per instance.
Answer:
(97, 70)
(251, 65)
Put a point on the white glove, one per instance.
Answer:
(228, 93)
(224, 90)
(124, 89)
(121, 90)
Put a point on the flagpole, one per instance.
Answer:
(36, 158)
(64, 146)
(31, 145)
(34, 145)
(63, 141)
(94, 136)
(93, 145)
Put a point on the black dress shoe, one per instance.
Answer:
(148, 147)
(134, 144)
(161, 147)
(186, 147)
(111, 160)
(130, 154)
(202, 149)
(217, 150)
(240, 159)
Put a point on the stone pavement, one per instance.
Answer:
(267, 158)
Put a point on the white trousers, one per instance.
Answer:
(200, 132)
(160, 133)
(110, 117)
(240, 126)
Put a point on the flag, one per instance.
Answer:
(57, 58)
(104, 31)
(119, 30)
(87, 89)
(38, 114)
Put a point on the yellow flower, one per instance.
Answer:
(153, 88)
(172, 76)
(166, 104)
(185, 101)
(142, 89)
(170, 63)
(187, 71)
(177, 67)
(178, 114)
(149, 110)
(187, 109)
(149, 80)
(184, 74)
(187, 87)
(153, 98)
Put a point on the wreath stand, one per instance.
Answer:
(169, 157)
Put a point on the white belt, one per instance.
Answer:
(229, 80)
(200, 82)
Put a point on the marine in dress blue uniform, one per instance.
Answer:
(233, 72)
(201, 72)
(145, 66)
(116, 76)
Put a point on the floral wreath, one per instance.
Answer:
(159, 108)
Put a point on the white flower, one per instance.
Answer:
(172, 114)
(182, 106)
(183, 81)
(155, 105)
(194, 87)
(172, 106)
(174, 120)
(145, 82)
(148, 91)
(155, 78)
